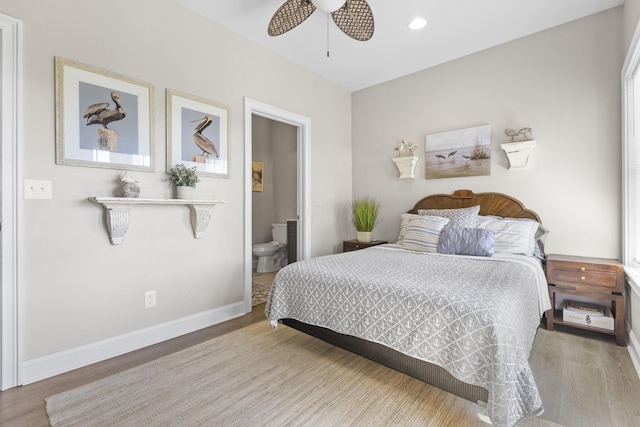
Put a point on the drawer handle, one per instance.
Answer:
(582, 268)
(582, 278)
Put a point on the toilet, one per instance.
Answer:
(272, 255)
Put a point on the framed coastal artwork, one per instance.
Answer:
(103, 119)
(257, 176)
(464, 152)
(197, 134)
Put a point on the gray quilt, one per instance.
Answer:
(477, 317)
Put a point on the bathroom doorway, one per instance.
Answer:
(274, 201)
(281, 148)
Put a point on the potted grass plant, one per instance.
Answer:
(185, 180)
(364, 213)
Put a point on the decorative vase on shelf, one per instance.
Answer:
(363, 236)
(130, 187)
(185, 180)
(184, 192)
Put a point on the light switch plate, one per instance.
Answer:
(37, 189)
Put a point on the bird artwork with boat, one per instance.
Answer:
(458, 153)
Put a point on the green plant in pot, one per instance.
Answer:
(364, 212)
(185, 180)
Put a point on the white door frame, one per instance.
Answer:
(11, 152)
(303, 126)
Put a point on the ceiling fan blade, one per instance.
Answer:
(355, 19)
(289, 16)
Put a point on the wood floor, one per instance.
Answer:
(584, 378)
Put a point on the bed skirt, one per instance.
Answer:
(424, 371)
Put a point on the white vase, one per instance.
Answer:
(184, 192)
(363, 236)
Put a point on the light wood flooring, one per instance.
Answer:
(584, 378)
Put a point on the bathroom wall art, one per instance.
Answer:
(257, 176)
(464, 152)
(197, 134)
(103, 119)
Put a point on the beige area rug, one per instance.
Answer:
(259, 377)
(260, 287)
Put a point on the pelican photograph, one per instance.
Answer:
(197, 134)
(103, 119)
(107, 126)
(463, 152)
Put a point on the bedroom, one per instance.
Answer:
(91, 292)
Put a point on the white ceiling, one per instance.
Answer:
(455, 28)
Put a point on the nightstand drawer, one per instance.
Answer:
(597, 274)
(594, 277)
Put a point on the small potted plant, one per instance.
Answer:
(185, 180)
(364, 212)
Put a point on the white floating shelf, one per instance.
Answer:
(117, 213)
(406, 166)
(519, 153)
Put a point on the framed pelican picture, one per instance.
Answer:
(197, 134)
(103, 119)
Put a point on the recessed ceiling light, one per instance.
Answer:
(417, 23)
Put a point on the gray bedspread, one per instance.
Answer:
(476, 317)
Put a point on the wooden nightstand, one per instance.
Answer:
(354, 245)
(588, 277)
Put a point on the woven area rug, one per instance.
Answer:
(259, 377)
(260, 287)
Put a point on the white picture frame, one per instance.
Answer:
(81, 87)
(198, 134)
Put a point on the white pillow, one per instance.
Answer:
(513, 235)
(423, 233)
(404, 222)
(462, 217)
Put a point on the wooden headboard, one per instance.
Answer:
(490, 204)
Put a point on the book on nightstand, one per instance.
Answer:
(596, 317)
(584, 308)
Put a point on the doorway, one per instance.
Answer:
(302, 126)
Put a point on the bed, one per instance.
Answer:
(415, 307)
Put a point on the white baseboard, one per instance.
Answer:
(634, 351)
(54, 364)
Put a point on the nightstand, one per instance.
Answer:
(354, 245)
(596, 278)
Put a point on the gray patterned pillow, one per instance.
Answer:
(463, 217)
(466, 241)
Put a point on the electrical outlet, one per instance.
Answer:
(149, 299)
(37, 189)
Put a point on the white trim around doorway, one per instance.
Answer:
(303, 126)
(11, 205)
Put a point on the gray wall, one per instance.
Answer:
(275, 145)
(78, 288)
(563, 82)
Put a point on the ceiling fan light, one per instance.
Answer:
(417, 23)
(328, 5)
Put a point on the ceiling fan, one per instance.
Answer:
(353, 17)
